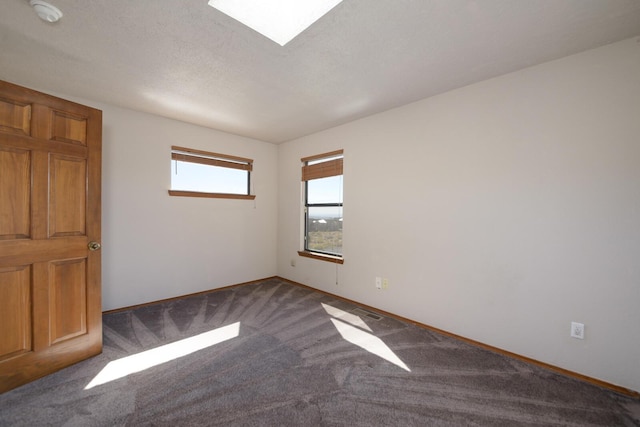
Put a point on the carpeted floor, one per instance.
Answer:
(275, 354)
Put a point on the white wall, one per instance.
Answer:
(157, 246)
(501, 212)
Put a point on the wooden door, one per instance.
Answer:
(50, 297)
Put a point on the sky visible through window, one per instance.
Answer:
(325, 190)
(187, 176)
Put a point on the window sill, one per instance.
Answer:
(322, 257)
(211, 195)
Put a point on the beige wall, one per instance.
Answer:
(501, 212)
(156, 246)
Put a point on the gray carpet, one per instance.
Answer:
(282, 355)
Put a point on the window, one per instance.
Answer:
(198, 173)
(322, 177)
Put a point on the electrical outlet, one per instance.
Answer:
(378, 283)
(577, 330)
(385, 283)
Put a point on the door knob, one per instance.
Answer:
(93, 246)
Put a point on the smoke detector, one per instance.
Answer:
(45, 11)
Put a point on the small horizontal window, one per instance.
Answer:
(198, 173)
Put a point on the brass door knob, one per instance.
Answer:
(93, 246)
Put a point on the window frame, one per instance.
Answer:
(216, 160)
(332, 166)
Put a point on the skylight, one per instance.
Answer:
(279, 20)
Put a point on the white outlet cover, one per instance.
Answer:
(577, 330)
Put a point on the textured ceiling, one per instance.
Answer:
(185, 60)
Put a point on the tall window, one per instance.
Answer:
(322, 177)
(199, 173)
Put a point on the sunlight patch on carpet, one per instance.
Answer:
(347, 317)
(362, 338)
(156, 356)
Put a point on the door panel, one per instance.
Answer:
(68, 308)
(15, 311)
(15, 117)
(15, 193)
(50, 298)
(69, 128)
(67, 196)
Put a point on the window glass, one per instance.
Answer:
(197, 173)
(324, 229)
(187, 176)
(325, 190)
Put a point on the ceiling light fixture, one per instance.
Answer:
(45, 11)
(279, 20)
